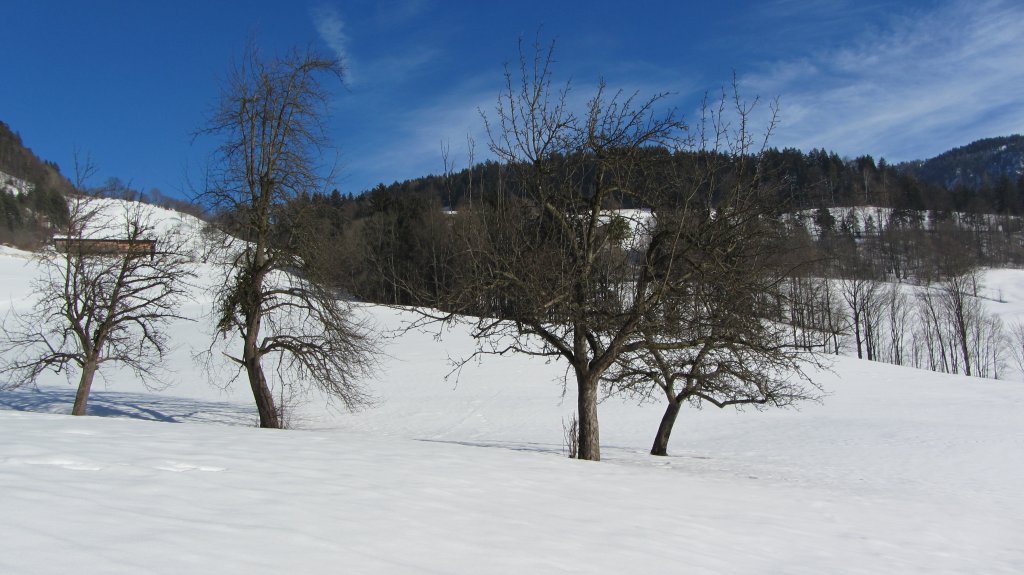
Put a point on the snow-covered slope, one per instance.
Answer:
(896, 471)
(107, 217)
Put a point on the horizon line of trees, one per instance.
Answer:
(398, 227)
(804, 180)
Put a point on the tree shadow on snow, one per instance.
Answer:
(511, 445)
(129, 405)
(609, 453)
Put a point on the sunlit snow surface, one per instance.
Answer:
(896, 471)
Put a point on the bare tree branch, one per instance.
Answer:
(271, 124)
(98, 307)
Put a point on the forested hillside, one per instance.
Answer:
(877, 262)
(918, 230)
(32, 195)
(817, 178)
(986, 163)
(855, 227)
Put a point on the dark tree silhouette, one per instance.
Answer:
(271, 123)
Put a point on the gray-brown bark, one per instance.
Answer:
(80, 406)
(668, 421)
(589, 446)
(261, 392)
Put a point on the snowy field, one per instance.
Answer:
(896, 471)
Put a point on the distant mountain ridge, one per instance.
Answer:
(978, 164)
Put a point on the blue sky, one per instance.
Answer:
(128, 82)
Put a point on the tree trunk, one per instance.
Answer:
(84, 386)
(961, 326)
(589, 444)
(261, 391)
(251, 356)
(668, 420)
(856, 333)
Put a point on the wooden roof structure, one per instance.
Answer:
(105, 246)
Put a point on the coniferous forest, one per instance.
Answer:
(917, 229)
(882, 263)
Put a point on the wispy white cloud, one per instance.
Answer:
(411, 141)
(400, 11)
(403, 65)
(453, 122)
(331, 28)
(400, 61)
(921, 84)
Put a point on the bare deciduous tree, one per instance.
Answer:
(549, 271)
(1016, 344)
(545, 276)
(958, 334)
(860, 291)
(99, 301)
(898, 310)
(716, 337)
(270, 119)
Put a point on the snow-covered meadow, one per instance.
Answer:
(896, 471)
